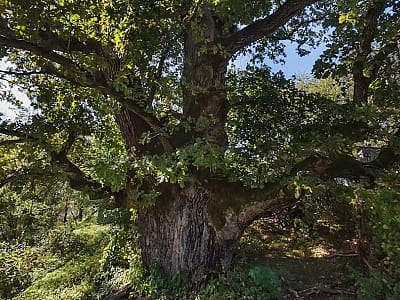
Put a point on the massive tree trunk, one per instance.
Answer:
(201, 224)
(176, 233)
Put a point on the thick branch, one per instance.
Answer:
(28, 73)
(77, 179)
(248, 205)
(8, 142)
(68, 144)
(295, 29)
(51, 40)
(15, 133)
(40, 51)
(274, 201)
(266, 26)
(370, 27)
(27, 173)
(8, 180)
(368, 34)
(245, 203)
(151, 121)
(386, 158)
(158, 74)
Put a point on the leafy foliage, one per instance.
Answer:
(378, 224)
(256, 283)
(378, 286)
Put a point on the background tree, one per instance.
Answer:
(185, 156)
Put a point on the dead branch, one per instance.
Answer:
(334, 255)
(318, 289)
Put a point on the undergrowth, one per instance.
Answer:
(90, 259)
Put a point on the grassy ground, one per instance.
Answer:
(317, 267)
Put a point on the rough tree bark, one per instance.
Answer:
(178, 236)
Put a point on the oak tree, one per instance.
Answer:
(134, 103)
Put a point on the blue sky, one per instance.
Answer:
(6, 108)
(294, 65)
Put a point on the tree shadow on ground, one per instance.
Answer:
(312, 267)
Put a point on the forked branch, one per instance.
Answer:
(250, 204)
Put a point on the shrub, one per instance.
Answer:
(13, 270)
(239, 283)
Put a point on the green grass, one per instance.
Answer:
(69, 276)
